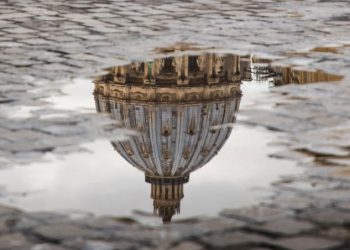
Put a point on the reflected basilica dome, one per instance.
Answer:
(181, 107)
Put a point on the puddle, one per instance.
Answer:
(17, 112)
(75, 97)
(189, 156)
(104, 183)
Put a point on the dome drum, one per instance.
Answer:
(153, 94)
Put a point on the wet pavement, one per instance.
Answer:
(240, 184)
(289, 145)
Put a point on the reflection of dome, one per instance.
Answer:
(179, 117)
(174, 139)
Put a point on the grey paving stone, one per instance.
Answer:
(307, 243)
(16, 147)
(298, 203)
(109, 223)
(13, 241)
(93, 244)
(46, 246)
(341, 194)
(293, 155)
(330, 216)
(281, 123)
(256, 214)
(61, 130)
(326, 150)
(330, 120)
(21, 135)
(30, 220)
(312, 184)
(259, 248)
(344, 205)
(205, 225)
(345, 162)
(36, 41)
(60, 232)
(11, 16)
(287, 226)
(230, 239)
(3, 225)
(334, 136)
(340, 233)
(98, 245)
(187, 245)
(142, 234)
(6, 210)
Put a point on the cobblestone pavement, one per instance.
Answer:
(45, 43)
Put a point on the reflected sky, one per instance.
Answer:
(104, 183)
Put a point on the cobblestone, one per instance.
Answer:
(328, 216)
(286, 227)
(297, 202)
(187, 245)
(60, 232)
(47, 246)
(44, 41)
(231, 239)
(12, 241)
(5, 210)
(201, 226)
(308, 243)
(101, 245)
(257, 214)
(344, 205)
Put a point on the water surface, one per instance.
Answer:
(104, 181)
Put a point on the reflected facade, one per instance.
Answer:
(261, 70)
